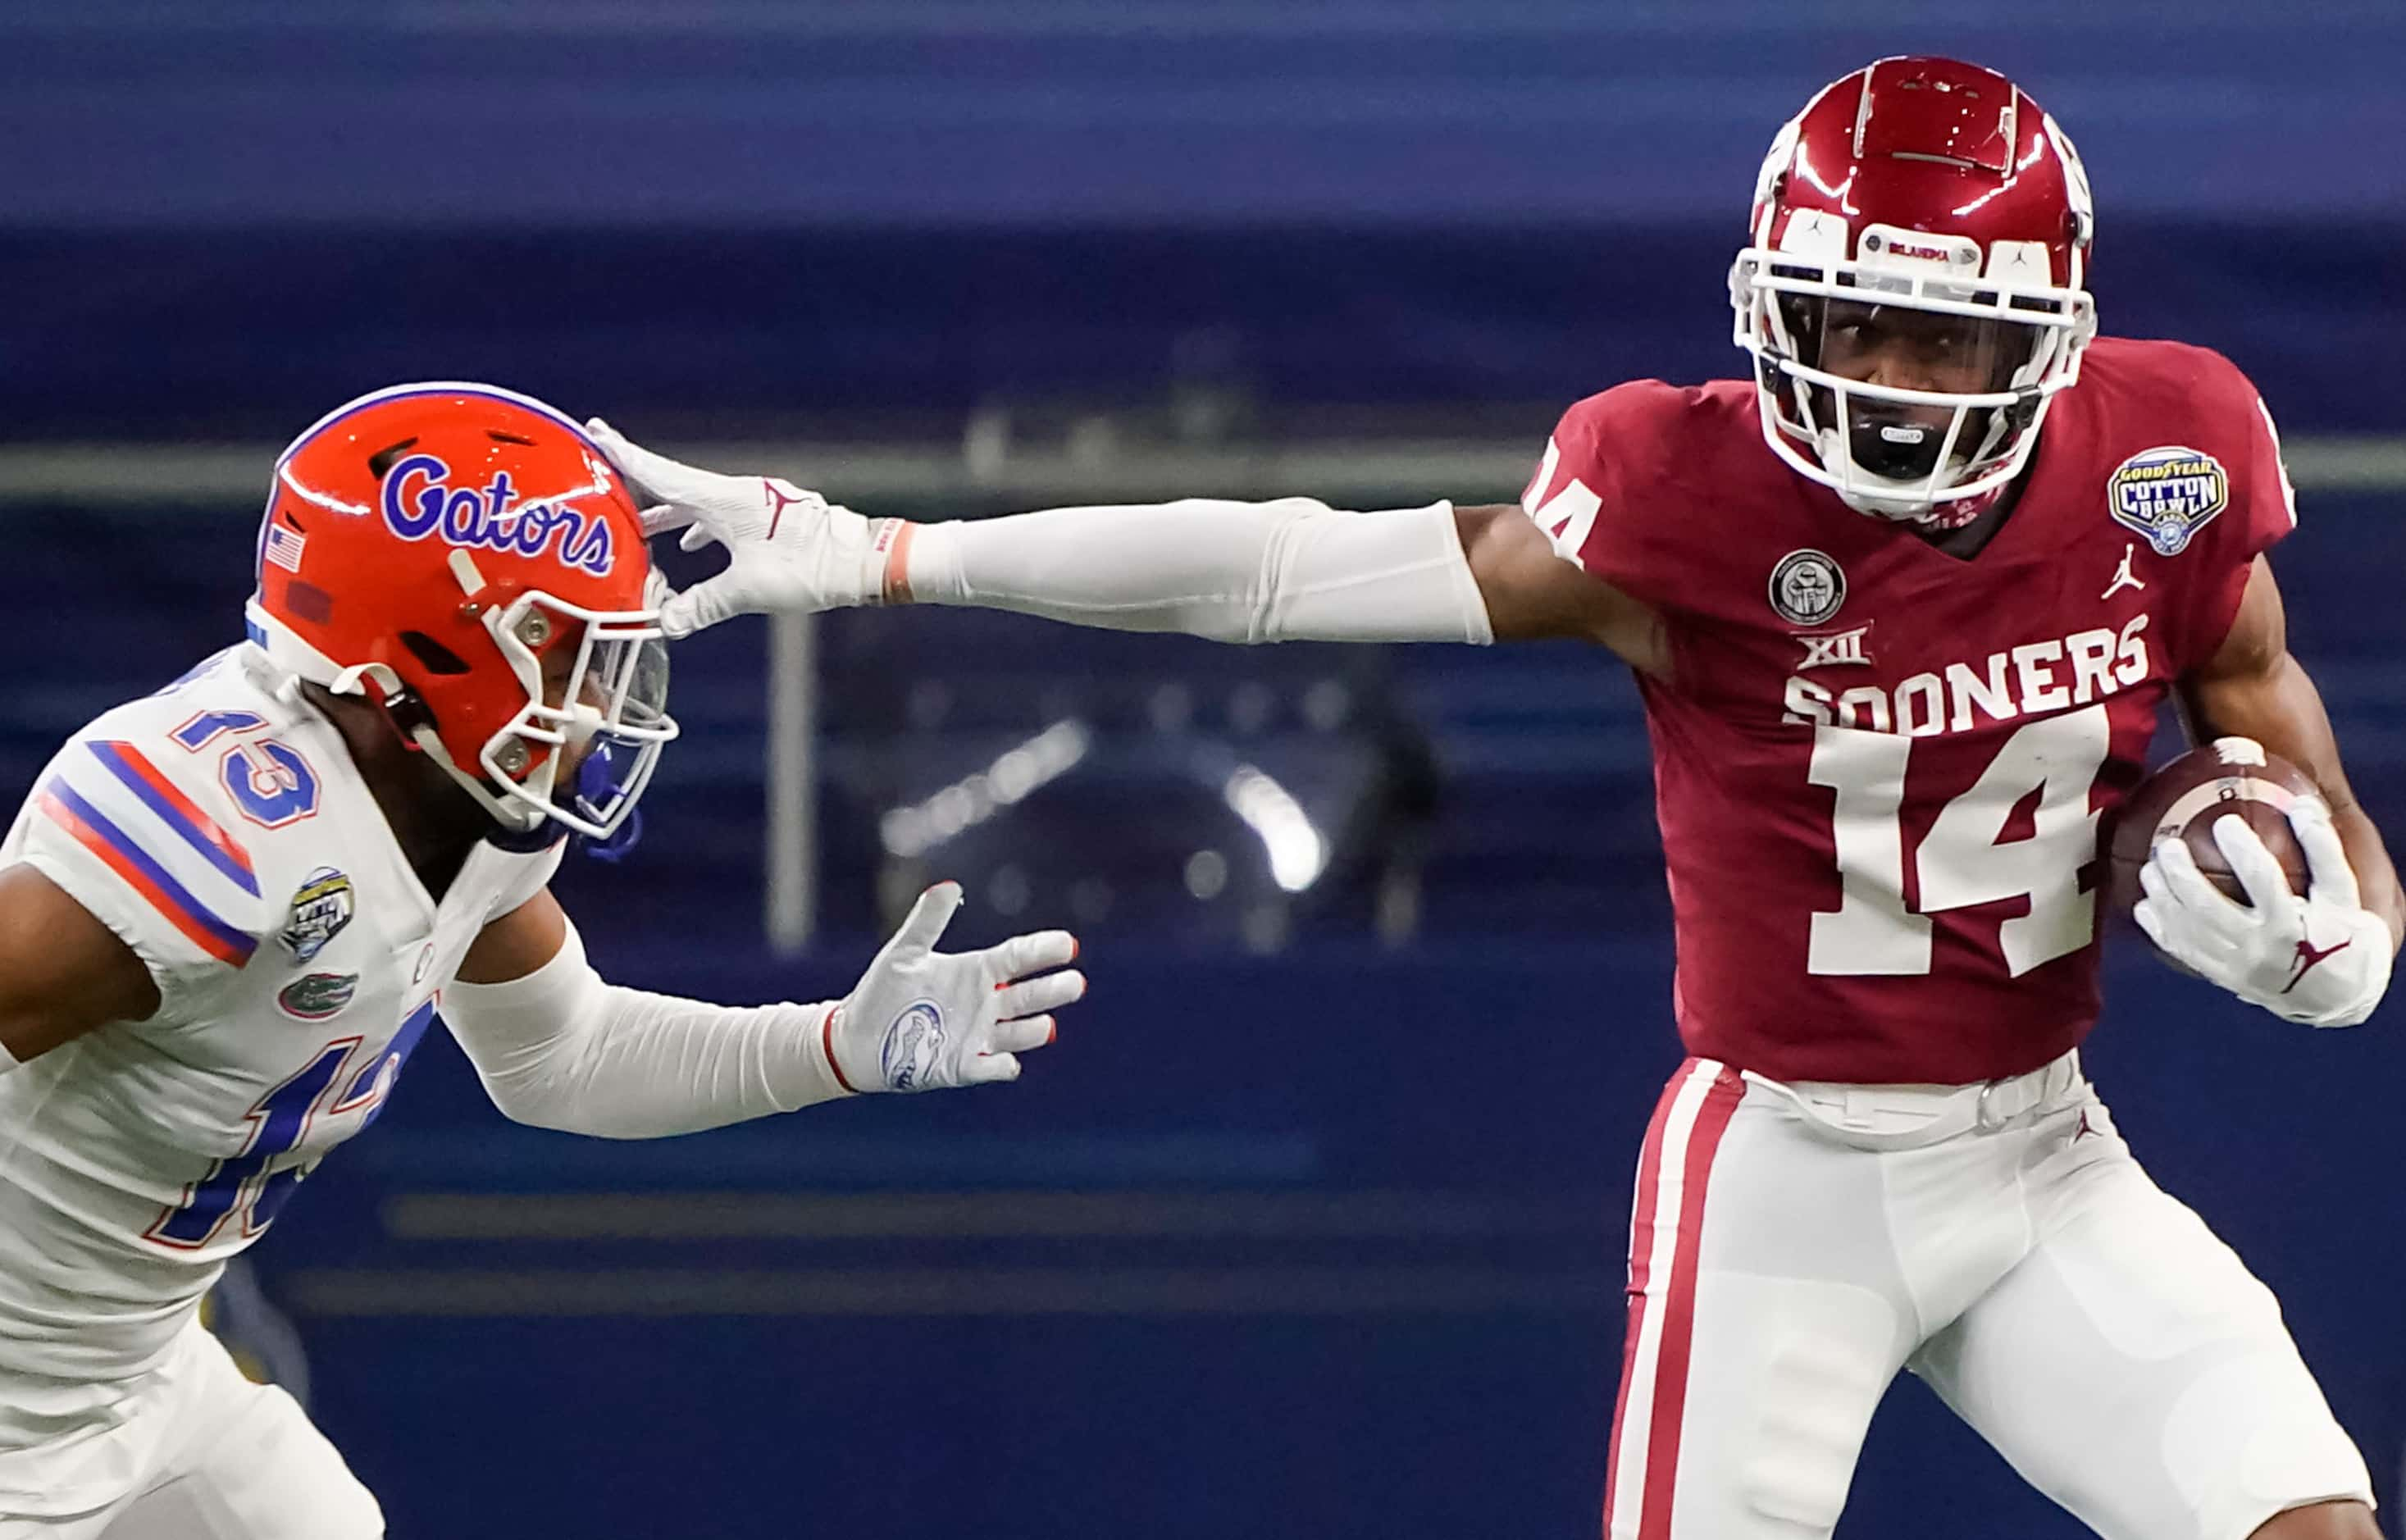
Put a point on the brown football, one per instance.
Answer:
(2228, 778)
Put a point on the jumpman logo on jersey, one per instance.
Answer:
(2308, 956)
(2084, 1131)
(2123, 576)
(779, 500)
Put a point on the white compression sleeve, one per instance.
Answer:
(560, 1049)
(1294, 570)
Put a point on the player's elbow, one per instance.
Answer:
(533, 1111)
(1249, 614)
(535, 1102)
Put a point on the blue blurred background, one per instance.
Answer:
(1311, 1224)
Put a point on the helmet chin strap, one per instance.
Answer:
(356, 679)
(378, 685)
(515, 816)
(415, 728)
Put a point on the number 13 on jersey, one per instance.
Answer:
(1964, 859)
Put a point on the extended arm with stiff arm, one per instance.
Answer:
(1293, 568)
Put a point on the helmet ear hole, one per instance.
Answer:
(432, 656)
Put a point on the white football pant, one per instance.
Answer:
(1793, 1246)
(199, 1453)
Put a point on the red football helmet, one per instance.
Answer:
(466, 557)
(1925, 186)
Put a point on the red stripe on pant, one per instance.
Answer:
(1641, 1257)
(1660, 1456)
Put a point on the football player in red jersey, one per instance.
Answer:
(1902, 606)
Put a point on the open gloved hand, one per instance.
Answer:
(924, 1020)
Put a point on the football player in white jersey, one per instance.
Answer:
(229, 912)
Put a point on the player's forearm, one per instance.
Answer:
(560, 1049)
(2376, 876)
(2277, 705)
(1292, 569)
(1234, 571)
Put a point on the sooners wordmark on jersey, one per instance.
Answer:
(1880, 768)
(2019, 681)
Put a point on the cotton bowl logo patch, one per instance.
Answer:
(1807, 588)
(912, 1043)
(315, 997)
(2168, 494)
(321, 907)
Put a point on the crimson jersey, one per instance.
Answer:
(1879, 768)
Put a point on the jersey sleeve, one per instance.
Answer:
(1577, 495)
(2263, 503)
(1560, 499)
(152, 857)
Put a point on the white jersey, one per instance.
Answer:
(221, 830)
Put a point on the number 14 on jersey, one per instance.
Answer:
(1964, 859)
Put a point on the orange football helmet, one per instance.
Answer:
(467, 558)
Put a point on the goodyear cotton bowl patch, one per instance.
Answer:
(2168, 494)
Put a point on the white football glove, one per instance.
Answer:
(2323, 959)
(787, 549)
(924, 1020)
